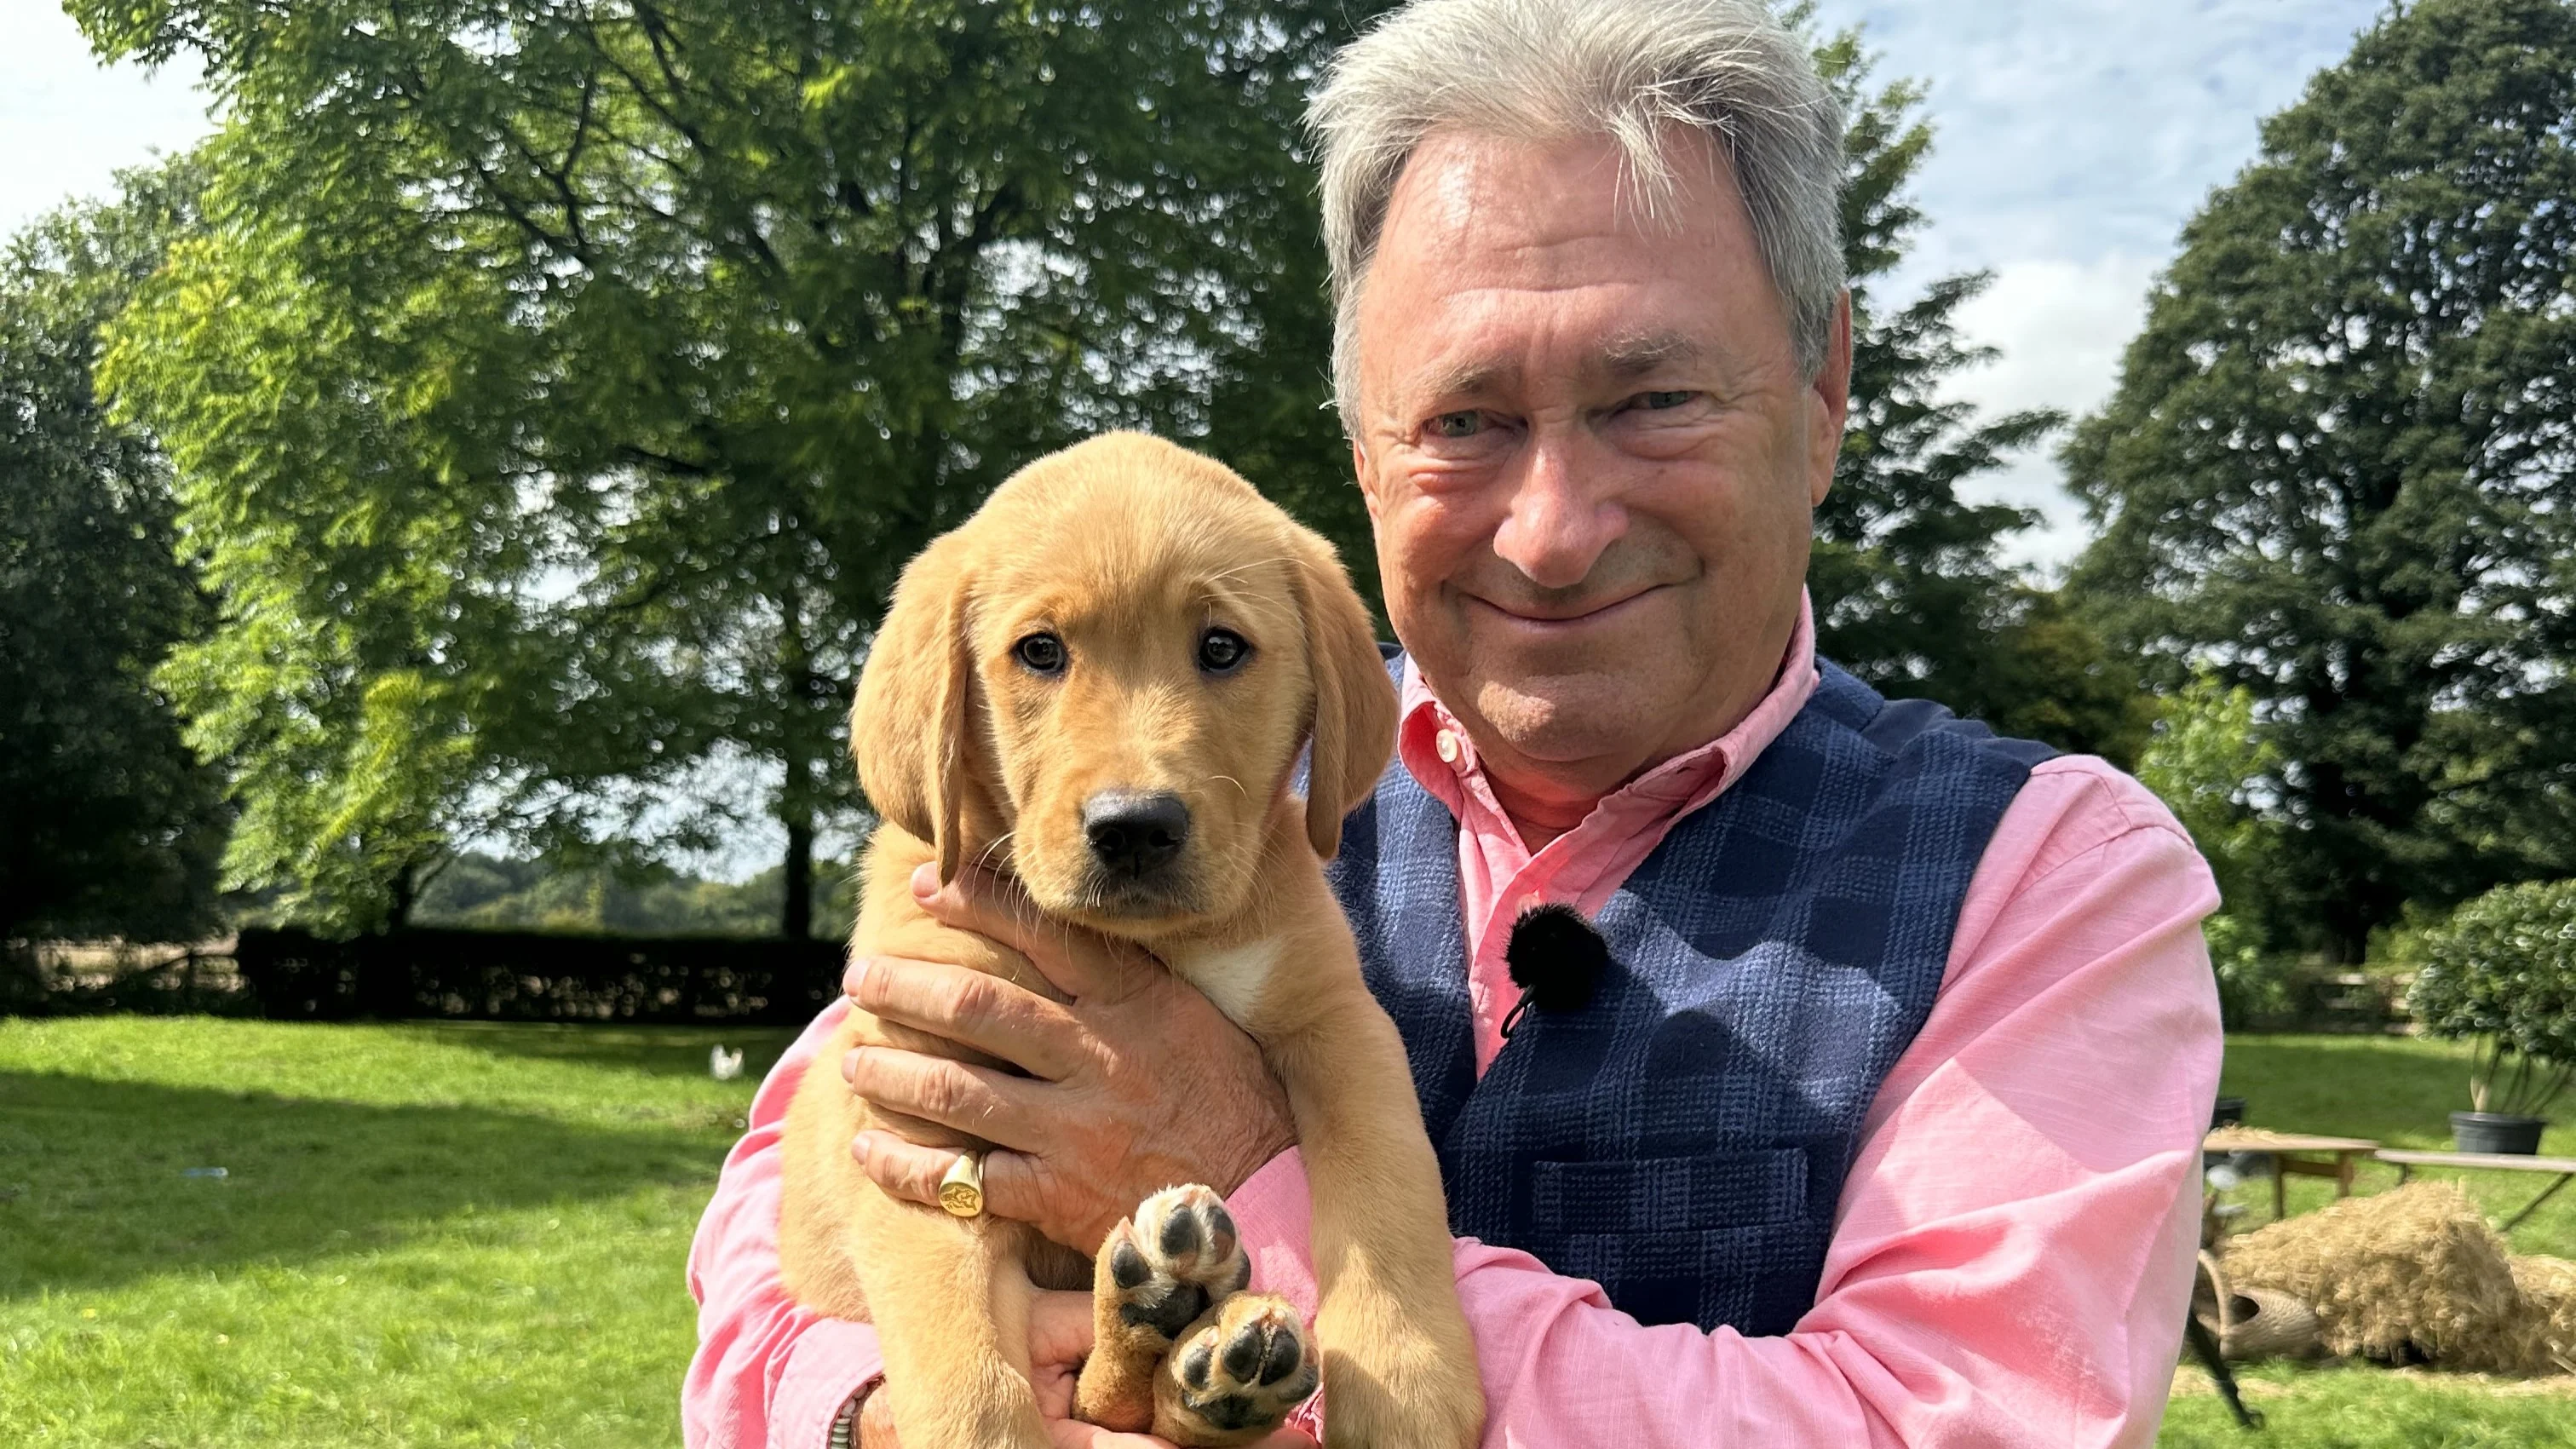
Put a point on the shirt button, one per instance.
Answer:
(1446, 742)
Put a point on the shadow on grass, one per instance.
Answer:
(93, 1174)
(663, 1051)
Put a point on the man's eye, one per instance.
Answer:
(1040, 654)
(1222, 651)
(1458, 425)
(1658, 401)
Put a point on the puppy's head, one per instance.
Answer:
(1103, 680)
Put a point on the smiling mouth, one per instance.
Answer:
(1559, 618)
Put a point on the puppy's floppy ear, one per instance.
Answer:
(1354, 720)
(912, 727)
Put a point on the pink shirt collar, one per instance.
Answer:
(1660, 796)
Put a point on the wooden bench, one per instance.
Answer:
(2347, 1153)
(2565, 1167)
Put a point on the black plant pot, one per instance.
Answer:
(2495, 1132)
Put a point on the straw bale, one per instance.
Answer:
(2413, 1273)
(2549, 1291)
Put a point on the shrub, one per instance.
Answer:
(2257, 988)
(2502, 972)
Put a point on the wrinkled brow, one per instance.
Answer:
(1622, 358)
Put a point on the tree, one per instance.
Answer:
(1909, 592)
(112, 825)
(560, 388)
(2340, 466)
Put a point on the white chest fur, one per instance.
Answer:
(1233, 977)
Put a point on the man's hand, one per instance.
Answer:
(1059, 1339)
(1135, 1085)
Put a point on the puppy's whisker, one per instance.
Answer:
(1237, 784)
(984, 857)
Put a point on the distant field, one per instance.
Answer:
(472, 1235)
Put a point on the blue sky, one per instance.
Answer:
(2074, 137)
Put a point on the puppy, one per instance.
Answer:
(1102, 684)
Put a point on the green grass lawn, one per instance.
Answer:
(428, 1235)
(466, 1234)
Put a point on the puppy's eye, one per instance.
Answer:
(1040, 654)
(1222, 651)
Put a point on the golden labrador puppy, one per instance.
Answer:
(1101, 684)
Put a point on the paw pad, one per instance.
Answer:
(1247, 1369)
(1179, 1254)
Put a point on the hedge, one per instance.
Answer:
(538, 976)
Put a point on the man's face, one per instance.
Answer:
(1589, 451)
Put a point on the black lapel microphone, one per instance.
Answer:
(1556, 959)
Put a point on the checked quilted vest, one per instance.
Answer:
(1682, 1140)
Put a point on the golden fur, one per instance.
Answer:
(1128, 549)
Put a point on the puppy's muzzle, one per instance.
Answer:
(1135, 835)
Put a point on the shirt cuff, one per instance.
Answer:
(832, 1359)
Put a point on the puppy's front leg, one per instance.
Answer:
(951, 1302)
(1399, 1363)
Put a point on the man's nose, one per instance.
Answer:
(1134, 832)
(1561, 520)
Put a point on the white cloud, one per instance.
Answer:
(2061, 327)
(2072, 140)
(68, 124)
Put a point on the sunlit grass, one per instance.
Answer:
(426, 1235)
(472, 1235)
(2399, 1092)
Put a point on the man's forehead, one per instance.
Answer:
(1620, 357)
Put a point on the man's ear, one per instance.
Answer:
(1832, 404)
(913, 724)
(1353, 724)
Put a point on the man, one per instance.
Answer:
(1884, 1127)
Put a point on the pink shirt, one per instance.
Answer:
(2012, 1252)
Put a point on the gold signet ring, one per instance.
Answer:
(961, 1191)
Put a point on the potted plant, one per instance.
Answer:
(2502, 973)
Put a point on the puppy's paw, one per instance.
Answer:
(1156, 1274)
(1179, 1255)
(1235, 1376)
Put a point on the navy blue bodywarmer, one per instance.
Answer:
(1683, 1139)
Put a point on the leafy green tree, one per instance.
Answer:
(560, 388)
(111, 825)
(1909, 591)
(2210, 760)
(2340, 466)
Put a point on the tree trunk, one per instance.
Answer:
(796, 921)
(406, 891)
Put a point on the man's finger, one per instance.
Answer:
(912, 1174)
(1060, 1329)
(974, 1009)
(991, 1105)
(1082, 964)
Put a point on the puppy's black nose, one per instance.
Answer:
(1133, 832)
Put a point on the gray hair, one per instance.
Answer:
(1626, 69)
